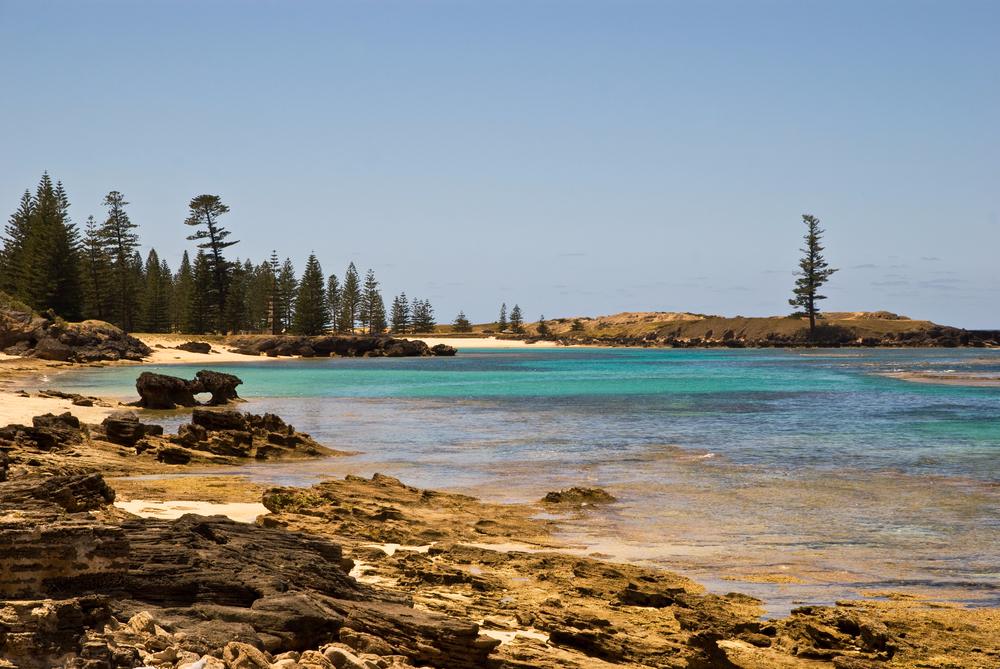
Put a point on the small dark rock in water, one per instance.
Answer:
(579, 496)
(159, 391)
(443, 350)
(195, 347)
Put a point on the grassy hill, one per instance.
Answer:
(680, 328)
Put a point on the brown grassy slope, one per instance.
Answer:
(688, 326)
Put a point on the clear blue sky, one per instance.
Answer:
(574, 157)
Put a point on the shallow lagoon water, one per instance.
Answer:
(793, 475)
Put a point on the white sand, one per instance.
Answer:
(17, 409)
(241, 512)
(483, 342)
(172, 356)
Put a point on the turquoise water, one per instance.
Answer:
(797, 475)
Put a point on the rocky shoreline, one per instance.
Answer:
(371, 573)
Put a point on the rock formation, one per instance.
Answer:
(196, 589)
(351, 346)
(195, 347)
(25, 333)
(159, 391)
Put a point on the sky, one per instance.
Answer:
(575, 158)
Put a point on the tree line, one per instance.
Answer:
(99, 273)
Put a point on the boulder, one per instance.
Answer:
(126, 430)
(195, 347)
(443, 350)
(579, 496)
(220, 420)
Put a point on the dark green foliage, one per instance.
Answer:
(118, 237)
(40, 263)
(98, 293)
(577, 325)
(156, 295)
(204, 212)
(234, 315)
(288, 287)
(333, 301)
(15, 237)
(422, 319)
(813, 273)
(311, 315)
(543, 327)
(260, 285)
(516, 320)
(350, 299)
(502, 321)
(400, 317)
(372, 308)
(202, 311)
(461, 323)
(183, 293)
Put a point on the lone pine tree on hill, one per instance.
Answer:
(813, 273)
(502, 321)
(516, 320)
(461, 323)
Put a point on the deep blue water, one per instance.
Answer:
(807, 462)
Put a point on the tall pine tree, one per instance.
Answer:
(156, 295)
(201, 307)
(333, 301)
(288, 287)
(516, 320)
(400, 317)
(95, 268)
(15, 236)
(183, 289)
(49, 273)
(350, 299)
(204, 212)
(814, 271)
(311, 315)
(120, 242)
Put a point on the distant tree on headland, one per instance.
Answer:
(577, 325)
(516, 320)
(543, 327)
(813, 273)
(461, 323)
(502, 321)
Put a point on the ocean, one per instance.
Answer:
(799, 476)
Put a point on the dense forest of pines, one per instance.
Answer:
(99, 273)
